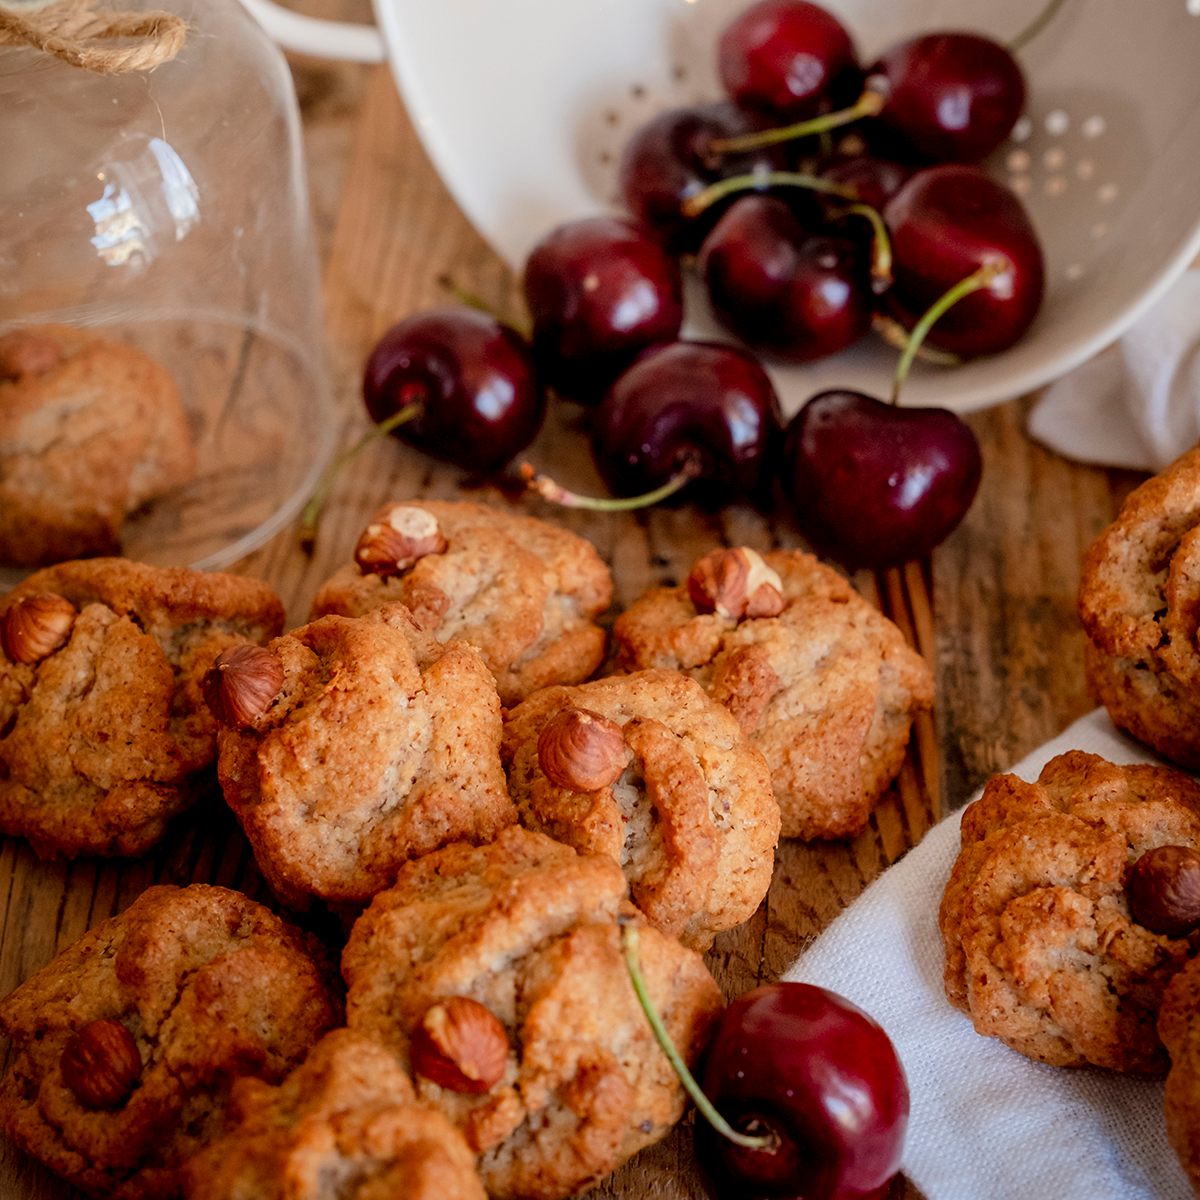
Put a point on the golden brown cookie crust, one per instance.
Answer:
(345, 1125)
(211, 985)
(86, 440)
(1179, 1029)
(521, 591)
(381, 745)
(528, 928)
(827, 690)
(108, 736)
(692, 819)
(1041, 949)
(1139, 601)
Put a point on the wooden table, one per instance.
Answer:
(1001, 630)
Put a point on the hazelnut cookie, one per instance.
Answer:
(821, 682)
(1049, 946)
(104, 733)
(648, 770)
(353, 744)
(125, 1047)
(522, 591)
(89, 430)
(344, 1125)
(496, 974)
(1179, 1028)
(1139, 601)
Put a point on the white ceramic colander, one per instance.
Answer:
(524, 106)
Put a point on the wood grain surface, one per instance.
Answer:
(993, 611)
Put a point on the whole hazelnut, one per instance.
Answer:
(36, 625)
(461, 1045)
(582, 750)
(101, 1063)
(27, 352)
(735, 584)
(1163, 889)
(396, 538)
(241, 684)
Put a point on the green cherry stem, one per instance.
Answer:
(557, 494)
(867, 105)
(307, 532)
(1035, 27)
(881, 246)
(984, 277)
(693, 206)
(629, 947)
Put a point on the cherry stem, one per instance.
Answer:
(557, 494)
(867, 105)
(881, 246)
(312, 510)
(896, 335)
(984, 277)
(1035, 27)
(629, 947)
(695, 205)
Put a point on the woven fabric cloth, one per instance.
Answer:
(988, 1123)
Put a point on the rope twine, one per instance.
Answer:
(65, 30)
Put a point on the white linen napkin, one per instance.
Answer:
(1136, 404)
(988, 1123)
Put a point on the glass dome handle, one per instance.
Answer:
(323, 39)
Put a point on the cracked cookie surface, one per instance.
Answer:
(826, 690)
(523, 592)
(107, 736)
(1139, 601)
(691, 818)
(345, 1125)
(528, 928)
(382, 744)
(89, 430)
(1041, 949)
(210, 985)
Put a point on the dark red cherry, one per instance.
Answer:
(670, 159)
(786, 57)
(818, 1072)
(473, 377)
(947, 222)
(600, 290)
(875, 485)
(875, 180)
(784, 290)
(949, 97)
(687, 404)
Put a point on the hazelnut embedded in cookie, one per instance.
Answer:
(399, 536)
(735, 584)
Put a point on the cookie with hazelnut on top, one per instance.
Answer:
(651, 772)
(523, 592)
(104, 732)
(820, 681)
(353, 744)
(496, 974)
(1073, 902)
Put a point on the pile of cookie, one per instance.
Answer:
(1071, 920)
(441, 759)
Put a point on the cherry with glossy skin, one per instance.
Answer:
(946, 222)
(948, 97)
(670, 159)
(876, 485)
(875, 180)
(473, 377)
(697, 405)
(786, 57)
(811, 1067)
(784, 290)
(600, 290)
